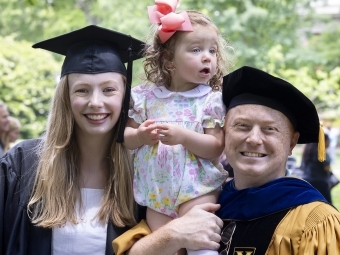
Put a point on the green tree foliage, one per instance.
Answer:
(320, 86)
(255, 26)
(24, 20)
(326, 46)
(27, 82)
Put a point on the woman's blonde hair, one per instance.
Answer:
(158, 55)
(56, 188)
(14, 124)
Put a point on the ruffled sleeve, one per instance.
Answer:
(312, 229)
(138, 99)
(213, 110)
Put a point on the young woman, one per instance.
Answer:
(70, 192)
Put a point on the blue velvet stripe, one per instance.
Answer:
(274, 196)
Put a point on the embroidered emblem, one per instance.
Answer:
(244, 251)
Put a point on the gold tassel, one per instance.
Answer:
(321, 145)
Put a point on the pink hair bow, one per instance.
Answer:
(163, 13)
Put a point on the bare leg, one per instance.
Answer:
(156, 219)
(185, 207)
(207, 198)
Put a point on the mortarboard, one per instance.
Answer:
(248, 85)
(92, 50)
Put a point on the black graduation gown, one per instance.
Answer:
(18, 236)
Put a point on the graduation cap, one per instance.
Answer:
(93, 50)
(248, 85)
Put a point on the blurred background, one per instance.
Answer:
(297, 40)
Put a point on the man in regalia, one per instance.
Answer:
(264, 210)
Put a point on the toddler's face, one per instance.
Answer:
(195, 58)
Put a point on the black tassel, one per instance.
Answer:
(126, 101)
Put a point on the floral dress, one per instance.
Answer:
(169, 175)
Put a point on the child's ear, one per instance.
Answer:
(169, 64)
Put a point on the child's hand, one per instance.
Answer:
(170, 134)
(147, 133)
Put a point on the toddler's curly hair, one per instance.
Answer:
(158, 55)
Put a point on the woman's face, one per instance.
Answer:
(13, 135)
(96, 101)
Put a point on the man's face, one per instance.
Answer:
(4, 122)
(258, 141)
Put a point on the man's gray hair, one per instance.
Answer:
(3, 105)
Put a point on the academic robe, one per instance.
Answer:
(18, 236)
(284, 216)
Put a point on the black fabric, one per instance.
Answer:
(296, 105)
(323, 187)
(247, 98)
(314, 172)
(2, 152)
(94, 49)
(253, 237)
(313, 169)
(92, 57)
(18, 236)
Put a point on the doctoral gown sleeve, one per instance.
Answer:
(311, 229)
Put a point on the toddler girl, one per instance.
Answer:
(176, 124)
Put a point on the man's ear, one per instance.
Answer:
(294, 140)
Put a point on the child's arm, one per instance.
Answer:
(209, 145)
(136, 135)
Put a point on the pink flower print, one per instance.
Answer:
(208, 110)
(149, 96)
(162, 157)
(177, 171)
(173, 215)
(179, 113)
(193, 172)
(187, 112)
